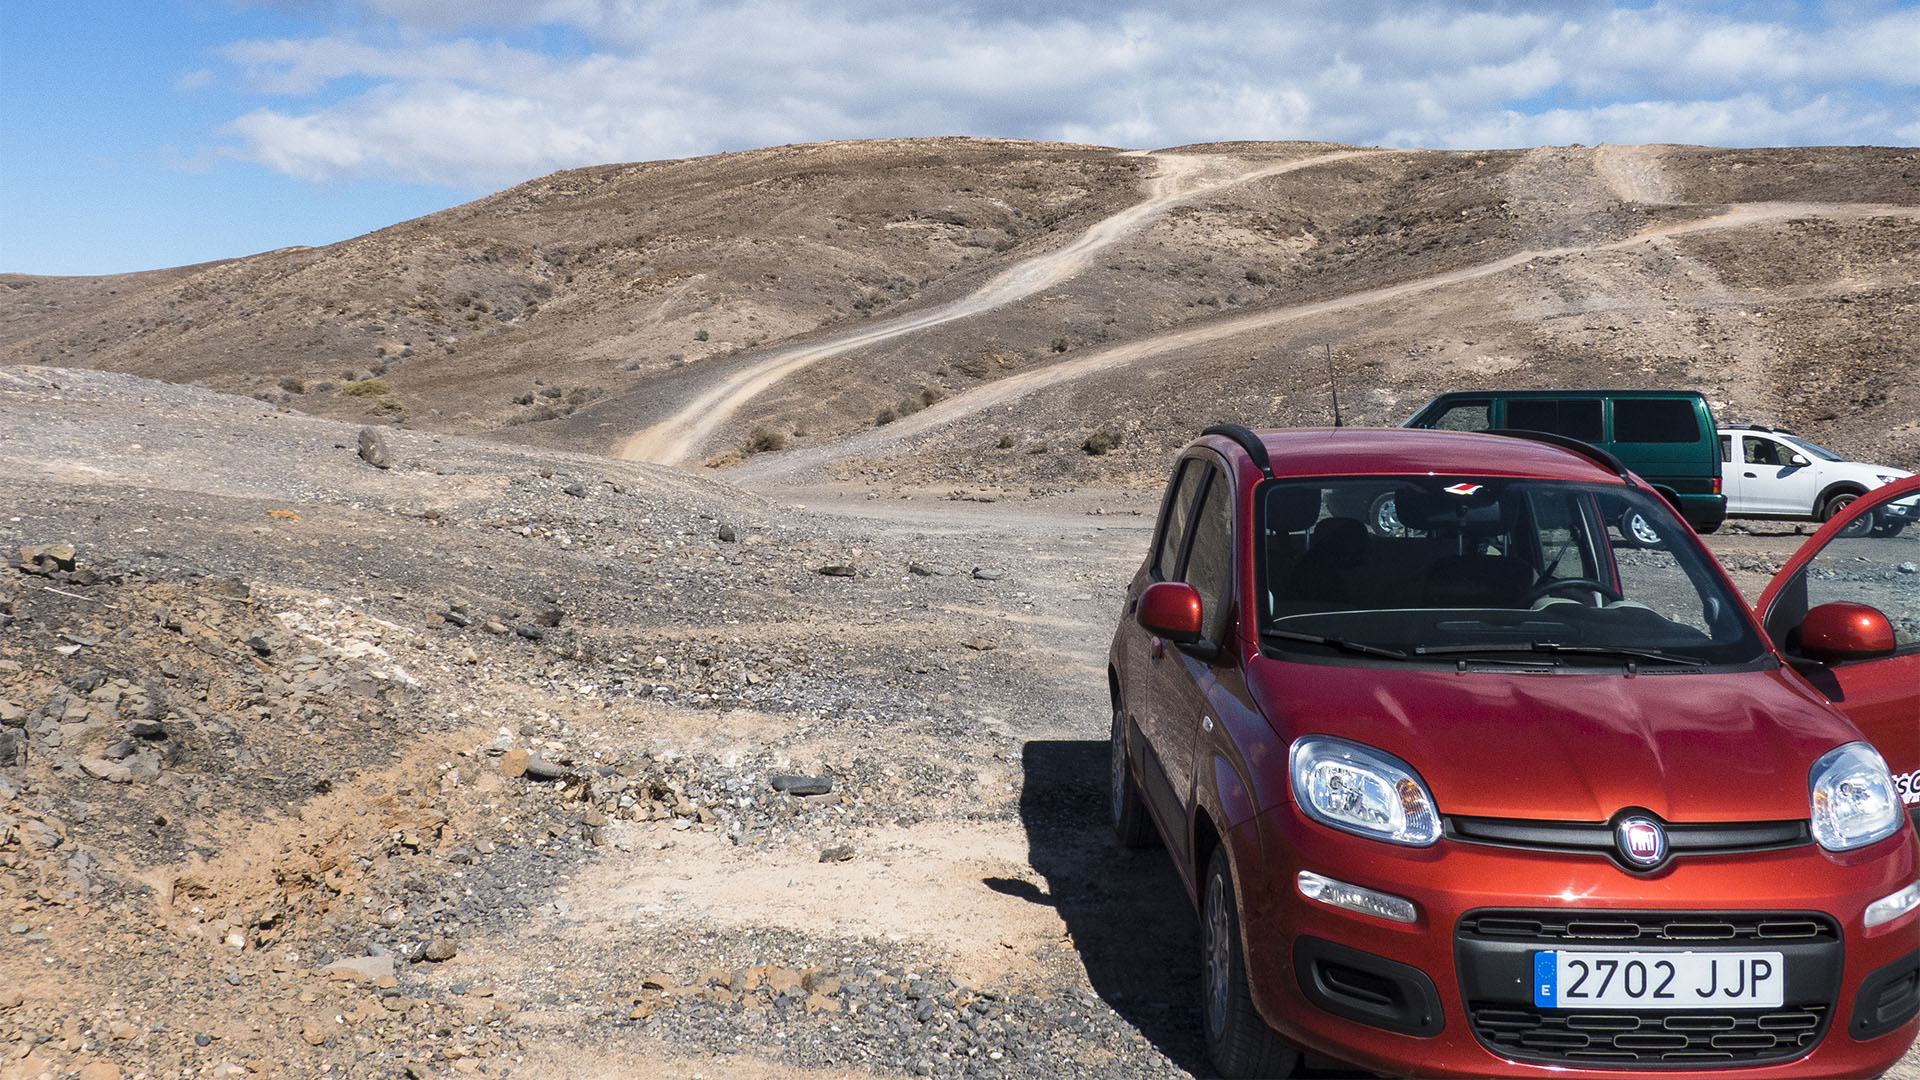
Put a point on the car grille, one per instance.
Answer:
(1648, 1039)
(1586, 838)
(1494, 949)
(1627, 927)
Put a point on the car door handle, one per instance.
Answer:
(1751, 476)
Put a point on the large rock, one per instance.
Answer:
(373, 448)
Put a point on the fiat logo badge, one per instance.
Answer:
(1642, 842)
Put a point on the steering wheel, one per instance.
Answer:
(1548, 588)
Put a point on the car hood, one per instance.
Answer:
(1699, 747)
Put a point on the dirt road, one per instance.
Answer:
(772, 467)
(1180, 177)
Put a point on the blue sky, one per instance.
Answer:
(142, 135)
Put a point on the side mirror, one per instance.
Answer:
(1844, 631)
(1171, 609)
(1798, 462)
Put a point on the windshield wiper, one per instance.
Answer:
(1559, 647)
(1360, 647)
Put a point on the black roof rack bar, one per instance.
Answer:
(1248, 441)
(1586, 449)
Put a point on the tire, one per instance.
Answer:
(1383, 519)
(1239, 1042)
(1888, 528)
(1638, 531)
(1837, 503)
(1126, 810)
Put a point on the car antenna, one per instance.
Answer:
(1331, 386)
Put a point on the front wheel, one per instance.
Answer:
(1239, 1042)
(1126, 811)
(1838, 503)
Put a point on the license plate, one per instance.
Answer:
(1611, 980)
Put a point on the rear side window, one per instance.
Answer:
(1659, 420)
(1465, 416)
(1173, 530)
(1726, 448)
(1577, 418)
(1210, 561)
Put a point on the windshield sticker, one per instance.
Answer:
(1462, 489)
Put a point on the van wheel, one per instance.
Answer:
(1637, 530)
(1126, 810)
(1239, 1042)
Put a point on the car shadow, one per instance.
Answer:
(1126, 911)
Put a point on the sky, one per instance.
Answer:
(137, 135)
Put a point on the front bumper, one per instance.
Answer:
(1450, 994)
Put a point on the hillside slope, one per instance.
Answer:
(581, 309)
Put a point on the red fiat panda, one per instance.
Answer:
(1465, 783)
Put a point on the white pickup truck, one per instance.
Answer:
(1769, 472)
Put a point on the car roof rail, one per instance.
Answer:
(1248, 441)
(1567, 442)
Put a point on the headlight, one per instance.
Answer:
(1854, 802)
(1885, 479)
(1361, 790)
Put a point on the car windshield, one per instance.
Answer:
(1489, 569)
(1813, 448)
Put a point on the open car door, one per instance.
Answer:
(1845, 612)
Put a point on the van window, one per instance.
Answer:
(1577, 418)
(1466, 416)
(1656, 420)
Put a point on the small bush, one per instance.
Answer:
(725, 459)
(1037, 448)
(699, 335)
(884, 416)
(292, 385)
(524, 399)
(766, 442)
(366, 388)
(1100, 442)
(1006, 442)
(930, 394)
(1060, 345)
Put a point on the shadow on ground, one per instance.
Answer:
(1131, 922)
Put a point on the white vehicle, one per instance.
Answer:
(1772, 473)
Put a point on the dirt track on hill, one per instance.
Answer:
(1015, 387)
(1181, 177)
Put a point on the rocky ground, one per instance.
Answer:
(501, 762)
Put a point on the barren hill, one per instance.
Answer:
(832, 289)
(522, 754)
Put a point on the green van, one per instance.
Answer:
(1666, 436)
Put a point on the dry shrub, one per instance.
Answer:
(366, 388)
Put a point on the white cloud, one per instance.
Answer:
(462, 94)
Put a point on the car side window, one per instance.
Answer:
(1173, 525)
(1872, 569)
(1726, 448)
(1763, 452)
(1210, 561)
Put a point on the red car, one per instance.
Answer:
(1496, 792)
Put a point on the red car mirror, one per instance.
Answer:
(1844, 631)
(1171, 609)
